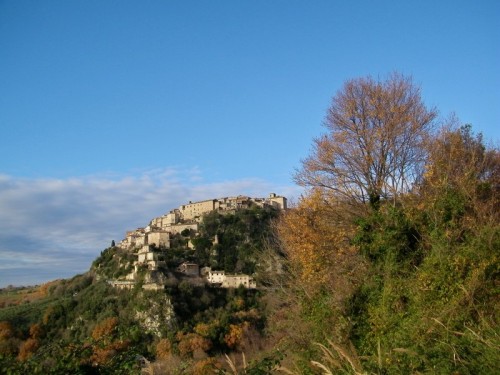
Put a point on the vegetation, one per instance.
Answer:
(388, 264)
(393, 252)
(84, 325)
(240, 239)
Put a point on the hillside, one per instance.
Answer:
(389, 264)
(93, 324)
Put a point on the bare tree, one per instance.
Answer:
(373, 148)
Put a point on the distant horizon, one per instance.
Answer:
(111, 112)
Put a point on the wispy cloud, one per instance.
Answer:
(54, 228)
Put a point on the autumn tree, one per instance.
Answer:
(315, 239)
(105, 329)
(460, 163)
(373, 146)
(235, 335)
(322, 270)
(192, 344)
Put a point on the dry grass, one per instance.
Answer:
(335, 358)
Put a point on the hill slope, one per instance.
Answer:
(85, 325)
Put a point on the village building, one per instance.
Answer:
(159, 238)
(153, 286)
(194, 211)
(160, 231)
(178, 228)
(189, 269)
(122, 284)
(215, 277)
(173, 217)
(235, 281)
(146, 256)
(220, 278)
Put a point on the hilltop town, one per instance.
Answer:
(147, 247)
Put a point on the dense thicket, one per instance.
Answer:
(390, 281)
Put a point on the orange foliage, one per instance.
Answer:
(459, 159)
(102, 355)
(104, 328)
(236, 334)
(9, 343)
(27, 349)
(163, 349)
(373, 145)
(6, 330)
(192, 342)
(36, 330)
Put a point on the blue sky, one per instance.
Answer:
(113, 112)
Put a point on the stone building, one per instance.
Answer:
(178, 228)
(159, 238)
(165, 221)
(277, 201)
(234, 281)
(219, 278)
(189, 269)
(146, 256)
(194, 211)
(215, 277)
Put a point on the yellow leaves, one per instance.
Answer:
(373, 144)
(236, 334)
(202, 329)
(315, 239)
(461, 172)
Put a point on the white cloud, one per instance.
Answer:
(53, 228)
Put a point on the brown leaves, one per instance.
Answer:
(36, 330)
(27, 349)
(373, 148)
(6, 330)
(459, 162)
(192, 344)
(236, 334)
(163, 349)
(104, 328)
